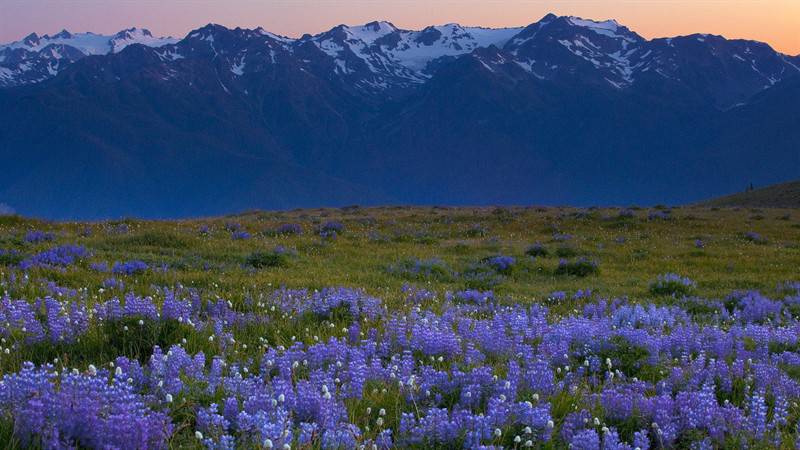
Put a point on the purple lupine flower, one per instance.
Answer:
(289, 229)
(101, 267)
(557, 297)
(754, 237)
(672, 284)
(114, 283)
(473, 296)
(36, 236)
(332, 226)
(585, 440)
(659, 215)
(61, 256)
(132, 267)
(240, 235)
(86, 409)
(501, 263)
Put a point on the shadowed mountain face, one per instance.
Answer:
(564, 110)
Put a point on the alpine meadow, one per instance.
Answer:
(554, 233)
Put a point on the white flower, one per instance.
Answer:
(198, 435)
(267, 443)
(169, 398)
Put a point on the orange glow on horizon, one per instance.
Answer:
(776, 22)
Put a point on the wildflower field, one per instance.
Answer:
(380, 328)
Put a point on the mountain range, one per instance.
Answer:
(562, 111)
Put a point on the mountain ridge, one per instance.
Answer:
(561, 111)
(394, 56)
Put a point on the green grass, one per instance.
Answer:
(630, 252)
(782, 195)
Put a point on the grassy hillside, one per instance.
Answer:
(631, 248)
(182, 328)
(783, 195)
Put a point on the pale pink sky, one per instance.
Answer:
(776, 22)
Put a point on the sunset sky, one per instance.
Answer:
(776, 22)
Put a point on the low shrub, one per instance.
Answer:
(261, 260)
(537, 249)
(421, 269)
(580, 267)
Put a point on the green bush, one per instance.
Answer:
(481, 277)
(566, 251)
(536, 250)
(260, 260)
(421, 269)
(580, 267)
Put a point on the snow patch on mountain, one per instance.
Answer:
(416, 49)
(90, 43)
(378, 56)
(610, 28)
(397, 57)
(138, 36)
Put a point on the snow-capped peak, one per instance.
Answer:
(608, 28)
(90, 43)
(369, 33)
(31, 40)
(137, 36)
(86, 43)
(609, 25)
(277, 37)
(63, 34)
(36, 58)
(378, 56)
